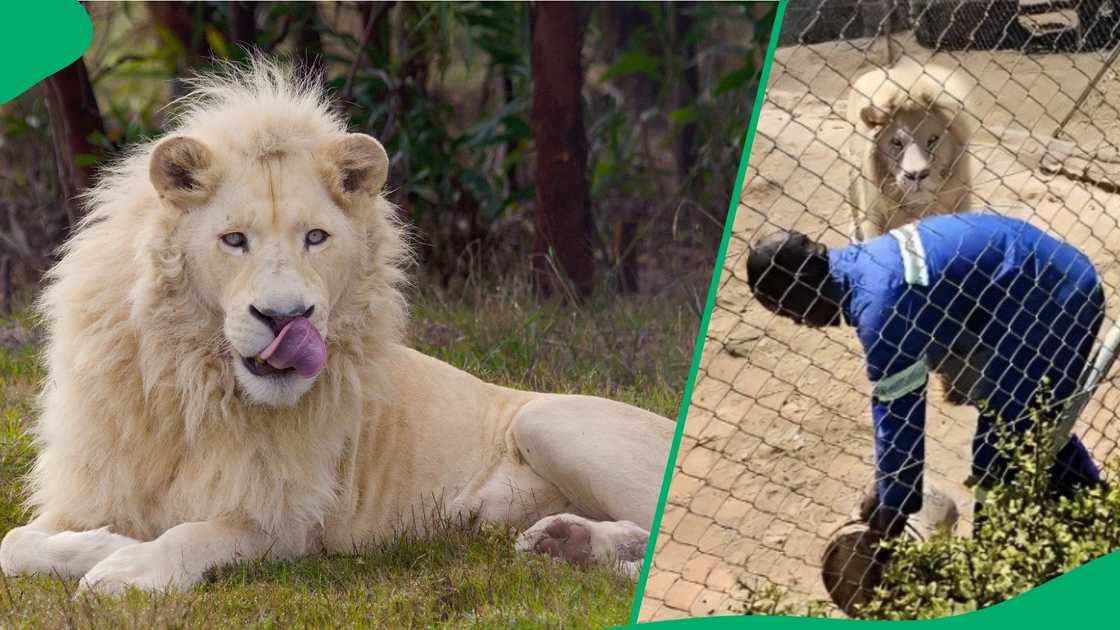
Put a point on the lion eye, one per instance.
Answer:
(933, 140)
(896, 143)
(316, 237)
(235, 240)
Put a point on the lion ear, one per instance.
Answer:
(356, 167)
(956, 117)
(873, 116)
(183, 172)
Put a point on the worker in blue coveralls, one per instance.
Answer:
(990, 304)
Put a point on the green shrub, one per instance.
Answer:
(1027, 537)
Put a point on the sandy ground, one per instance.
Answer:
(777, 442)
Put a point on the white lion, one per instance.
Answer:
(912, 132)
(226, 379)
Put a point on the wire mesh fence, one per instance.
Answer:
(779, 443)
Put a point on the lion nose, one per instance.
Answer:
(276, 320)
(916, 176)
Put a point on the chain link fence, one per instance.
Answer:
(778, 442)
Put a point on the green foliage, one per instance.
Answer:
(768, 600)
(447, 88)
(413, 92)
(669, 114)
(635, 62)
(1028, 536)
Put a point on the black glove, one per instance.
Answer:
(886, 522)
(882, 520)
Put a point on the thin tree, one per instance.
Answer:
(686, 87)
(308, 41)
(627, 28)
(74, 118)
(562, 245)
(243, 23)
(185, 22)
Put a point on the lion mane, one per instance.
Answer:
(876, 98)
(139, 425)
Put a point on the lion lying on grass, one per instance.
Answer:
(226, 379)
(911, 142)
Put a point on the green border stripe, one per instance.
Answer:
(686, 401)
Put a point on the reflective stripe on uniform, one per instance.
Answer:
(901, 383)
(913, 254)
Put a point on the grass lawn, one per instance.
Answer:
(634, 349)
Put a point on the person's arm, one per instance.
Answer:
(900, 448)
(897, 368)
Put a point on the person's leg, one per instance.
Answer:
(1073, 468)
(1073, 465)
(989, 466)
(1056, 348)
(1008, 408)
(978, 515)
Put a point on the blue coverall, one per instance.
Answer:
(957, 281)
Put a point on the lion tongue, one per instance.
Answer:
(298, 345)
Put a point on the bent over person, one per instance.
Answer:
(990, 304)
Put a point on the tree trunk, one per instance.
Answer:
(243, 24)
(624, 252)
(414, 61)
(179, 18)
(6, 288)
(563, 204)
(308, 42)
(74, 117)
(621, 22)
(686, 88)
(629, 27)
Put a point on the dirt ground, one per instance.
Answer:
(777, 442)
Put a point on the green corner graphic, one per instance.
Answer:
(38, 39)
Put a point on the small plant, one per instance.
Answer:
(766, 599)
(1027, 536)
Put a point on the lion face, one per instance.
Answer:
(270, 245)
(917, 152)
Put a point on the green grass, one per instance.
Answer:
(635, 349)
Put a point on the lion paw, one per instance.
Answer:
(567, 540)
(140, 566)
(27, 550)
(581, 541)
